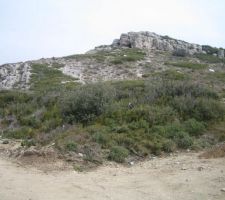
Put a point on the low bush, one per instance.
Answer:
(173, 75)
(45, 78)
(193, 127)
(20, 133)
(85, 103)
(202, 109)
(165, 91)
(189, 65)
(210, 50)
(184, 141)
(118, 154)
(169, 146)
(209, 58)
(71, 146)
(176, 135)
(127, 55)
(102, 138)
(28, 143)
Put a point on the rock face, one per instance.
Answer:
(14, 76)
(152, 41)
(221, 53)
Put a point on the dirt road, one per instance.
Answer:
(177, 177)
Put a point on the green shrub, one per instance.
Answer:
(20, 133)
(28, 143)
(118, 154)
(209, 109)
(220, 76)
(157, 147)
(128, 55)
(85, 103)
(145, 116)
(174, 131)
(120, 129)
(210, 50)
(193, 127)
(176, 135)
(10, 97)
(102, 138)
(189, 65)
(117, 61)
(71, 146)
(129, 89)
(169, 146)
(209, 58)
(45, 78)
(202, 109)
(30, 121)
(50, 124)
(185, 141)
(172, 75)
(165, 90)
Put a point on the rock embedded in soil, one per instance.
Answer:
(5, 142)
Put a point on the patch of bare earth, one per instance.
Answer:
(43, 158)
(180, 176)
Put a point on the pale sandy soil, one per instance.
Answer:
(179, 177)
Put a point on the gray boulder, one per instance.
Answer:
(221, 53)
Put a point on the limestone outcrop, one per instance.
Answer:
(221, 53)
(14, 76)
(152, 41)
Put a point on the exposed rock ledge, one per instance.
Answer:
(15, 76)
(151, 41)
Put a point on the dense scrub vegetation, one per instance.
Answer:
(125, 118)
(113, 120)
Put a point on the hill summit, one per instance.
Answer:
(152, 41)
(125, 58)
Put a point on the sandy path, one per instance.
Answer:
(180, 177)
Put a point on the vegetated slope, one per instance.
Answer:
(136, 103)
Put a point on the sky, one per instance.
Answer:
(33, 29)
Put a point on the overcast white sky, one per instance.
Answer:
(31, 29)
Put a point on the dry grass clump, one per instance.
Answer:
(215, 152)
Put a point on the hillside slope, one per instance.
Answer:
(127, 58)
(143, 95)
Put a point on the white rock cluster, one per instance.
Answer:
(152, 41)
(221, 53)
(14, 76)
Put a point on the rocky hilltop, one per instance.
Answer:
(152, 41)
(110, 62)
